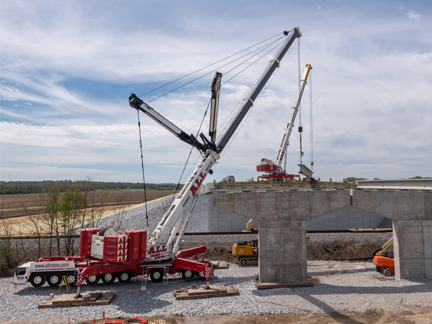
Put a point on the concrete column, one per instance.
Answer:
(282, 251)
(413, 249)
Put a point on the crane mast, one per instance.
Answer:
(174, 219)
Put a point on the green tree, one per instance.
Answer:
(353, 179)
(72, 208)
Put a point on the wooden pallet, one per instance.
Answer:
(200, 292)
(87, 299)
(220, 264)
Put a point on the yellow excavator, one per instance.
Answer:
(247, 252)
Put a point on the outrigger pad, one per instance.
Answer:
(206, 292)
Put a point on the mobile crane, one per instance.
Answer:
(158, 254)
(175, 219)
(274, 170)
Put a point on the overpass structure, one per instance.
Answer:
(282, 216)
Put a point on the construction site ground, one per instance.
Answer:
(343, 292)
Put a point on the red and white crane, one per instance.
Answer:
(274, 170)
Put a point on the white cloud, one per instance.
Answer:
(412, 15)
(371, 87)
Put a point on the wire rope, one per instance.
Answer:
(200, 77)
(311, 119)
(164, 85)
(142, 165)
(300, 129)
(190, 152)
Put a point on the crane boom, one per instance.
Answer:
(273, 64)
(288, 129)
(164, 234)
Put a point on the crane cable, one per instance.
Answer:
(300, 128)
(190, 152)
(214, 70)
(164, 85)
(262, 48)
(142, 165)
(311, 120)
(205, 113)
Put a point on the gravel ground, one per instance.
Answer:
(338, 287)
(136, 217)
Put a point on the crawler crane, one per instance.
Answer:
(274, 170)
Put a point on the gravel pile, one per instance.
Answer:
(136, 218)
(338, 287)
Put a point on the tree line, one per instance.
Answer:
(55, 230)
(26, 187)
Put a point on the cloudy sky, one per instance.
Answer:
(68, 68)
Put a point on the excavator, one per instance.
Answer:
(382, 262)
(247, 252)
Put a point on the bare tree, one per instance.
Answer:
(6, 231)
(35, 226)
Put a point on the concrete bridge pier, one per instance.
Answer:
(413, 249)
(282, 233)
(282, 251)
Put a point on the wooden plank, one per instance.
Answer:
(87, 299)
(214, 291)
(271, 285)
(220, 264)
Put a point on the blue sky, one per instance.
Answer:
(68, 68)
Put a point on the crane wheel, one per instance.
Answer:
(243, 261)
(72, 280)
(37, 280)
(54, 280)
(156, 275)
(125, 276)
(187, 274)
(108, 278)
(92, 280)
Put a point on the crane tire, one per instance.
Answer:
(92, 280)
(108, 277)
(124, 276)
(187, 274)
(37, 279)
(156, 275)
(54, 279)
(199, 275)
